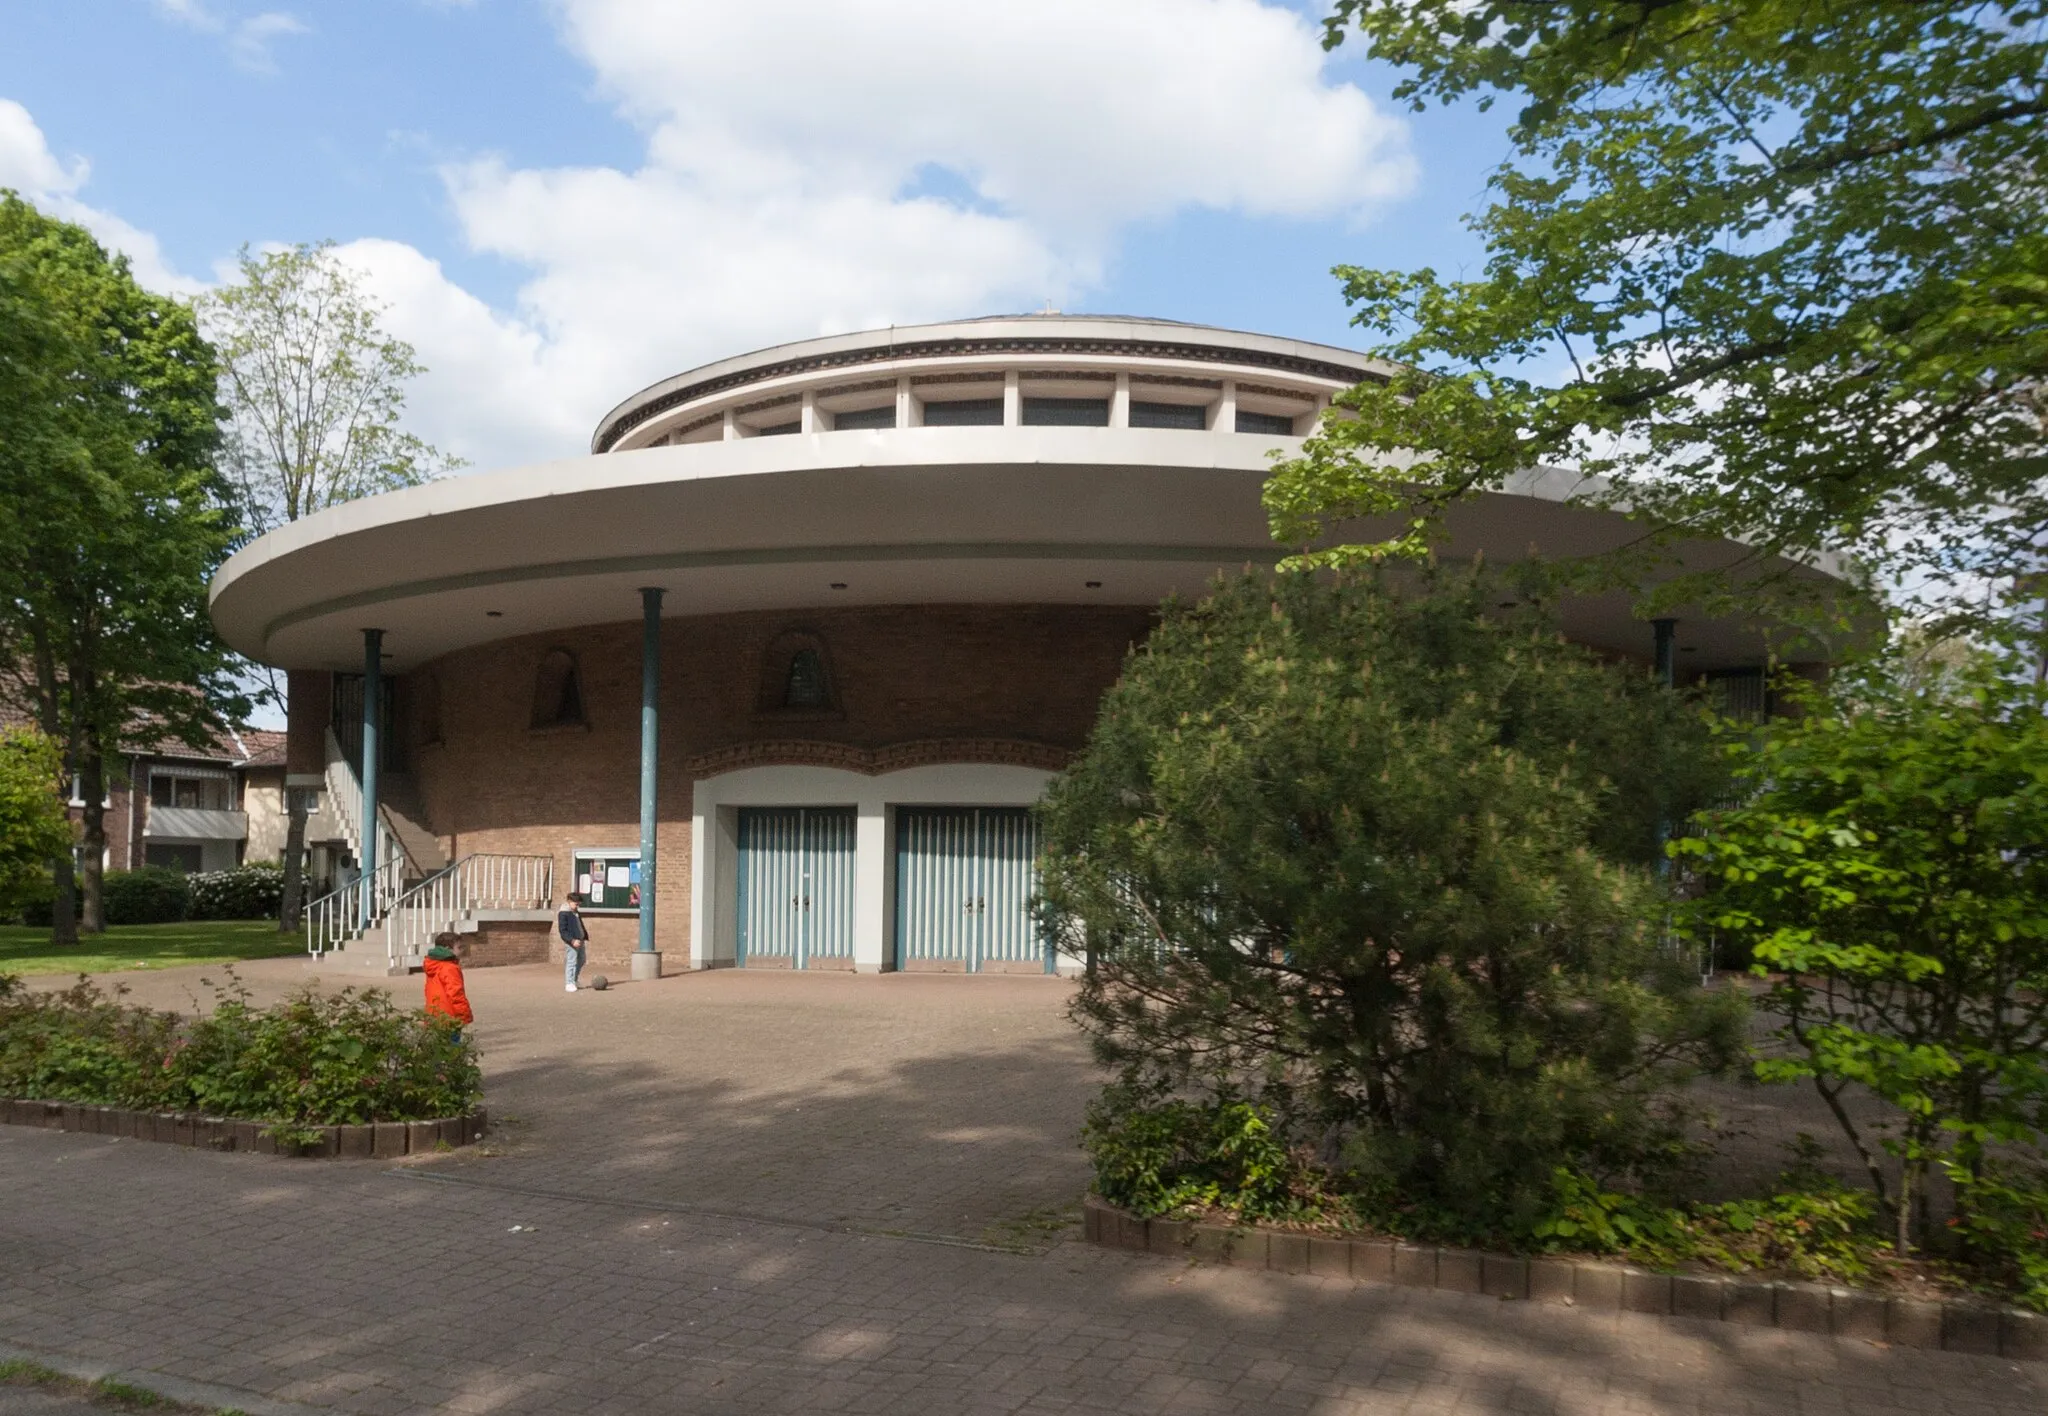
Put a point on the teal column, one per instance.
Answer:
(373, 703)
(646, 960)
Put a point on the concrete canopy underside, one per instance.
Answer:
(875, 517)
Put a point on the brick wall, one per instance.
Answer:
(309, 699)
(499, 942)
(492, 782)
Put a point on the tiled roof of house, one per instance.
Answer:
(237, 747)
(261, 747)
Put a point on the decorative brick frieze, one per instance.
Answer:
(1958, 1325)
(872, 762)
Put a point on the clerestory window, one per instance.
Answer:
(1272, 425)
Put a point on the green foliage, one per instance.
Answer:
(1809, 1226)
(249, 891)
(2004, 1228)
(1786, 258)
(112, 516)
(1377, 865)
(1888, 869)
(152, 894)
(33, 826)
(315, 1059)
(1154, 1155)
(315, 389)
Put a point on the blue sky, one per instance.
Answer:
(561, 200)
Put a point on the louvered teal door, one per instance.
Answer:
(965, 884)
(796, 887)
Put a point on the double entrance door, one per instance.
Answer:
(796, 887)
(966, 882)
(965, 885)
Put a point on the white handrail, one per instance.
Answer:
(337, 917)
(483, 881)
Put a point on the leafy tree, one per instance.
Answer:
(1381, 864)
(315, 392)
(1773, 268)
(34, 827)
(111, 518)
(1888, 872)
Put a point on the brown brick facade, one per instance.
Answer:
(909, 685)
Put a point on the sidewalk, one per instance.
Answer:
(767, 1193)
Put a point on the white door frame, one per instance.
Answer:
(715, 804)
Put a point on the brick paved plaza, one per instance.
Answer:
(759, 1193)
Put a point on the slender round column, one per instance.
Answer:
(373, 702)
(646, 958)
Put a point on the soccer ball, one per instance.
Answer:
(600, 982)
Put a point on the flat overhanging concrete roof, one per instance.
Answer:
(954, 515)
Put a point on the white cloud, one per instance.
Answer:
(814, 166)
(29, 167)
(248, 38)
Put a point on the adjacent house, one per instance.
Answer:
(192, 809)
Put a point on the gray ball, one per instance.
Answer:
(600, 982)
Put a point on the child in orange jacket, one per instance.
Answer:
(445, 997)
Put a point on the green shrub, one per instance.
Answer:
(315, 1059)
(1887, 868)
(1810, 1225)
(154, 894)
(2004, 1228)
(1378, 861)
(252, 891)
(1155, 1155)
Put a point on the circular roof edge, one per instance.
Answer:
(1048, 334)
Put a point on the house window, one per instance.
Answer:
(805, 687)
(1168, 415)
(1066, 412)
(883, 417)
(776, 430)
(191, 792)
(1273, 425)
(188, 859)
(965, 413)
(557, 692)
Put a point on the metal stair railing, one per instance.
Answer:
(483, 881)
(336, 918)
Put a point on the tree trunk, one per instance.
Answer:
(293, 901)
(64, 910)
(93, 787)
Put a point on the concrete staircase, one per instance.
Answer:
(398, 802)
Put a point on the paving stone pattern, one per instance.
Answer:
(828, 1109)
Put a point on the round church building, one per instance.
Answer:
(771, 677)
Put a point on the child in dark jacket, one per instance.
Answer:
(445, 997)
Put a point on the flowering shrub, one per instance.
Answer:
(252, 891)
(316, 1059)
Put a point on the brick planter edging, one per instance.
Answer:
(379, 1140)
(1956, 1325)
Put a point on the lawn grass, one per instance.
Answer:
(28, 950)
(106, 1392)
